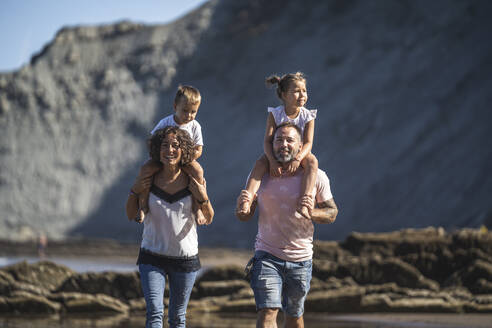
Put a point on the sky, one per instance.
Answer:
(26, 26)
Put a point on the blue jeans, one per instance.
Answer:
(153, 283)
(280, 284)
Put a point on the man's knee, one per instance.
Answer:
(267, 316)
(293, 322)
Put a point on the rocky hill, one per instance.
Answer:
(403, 90)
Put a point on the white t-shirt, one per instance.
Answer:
(193, 128)
(304, 116)
(280, 232)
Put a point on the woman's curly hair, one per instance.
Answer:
(185, 143)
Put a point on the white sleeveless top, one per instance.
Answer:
(305, 115)
(170, 227)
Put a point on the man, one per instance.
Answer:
(282, 265)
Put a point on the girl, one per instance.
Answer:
(291, 89)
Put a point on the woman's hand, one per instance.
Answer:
(199, 192)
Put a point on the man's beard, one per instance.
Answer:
(285, 158)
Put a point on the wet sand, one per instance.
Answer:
(244, 320)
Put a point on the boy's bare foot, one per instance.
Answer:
(141, 216)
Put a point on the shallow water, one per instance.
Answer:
(77, 264)
(240, 320)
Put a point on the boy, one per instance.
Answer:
(186, 104)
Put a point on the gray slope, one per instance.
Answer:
(402, 88)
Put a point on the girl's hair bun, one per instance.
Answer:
(272, 80)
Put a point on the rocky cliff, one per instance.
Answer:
(402, 90)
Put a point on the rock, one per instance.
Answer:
(375, 270)
(385, 244)
(90, 303)
(4, 305)
(324, 269)
(477, 308)
(346, 299)
(375, 303)
(26, 303)
(123, 286)
(472, 238)
(403, 274)
(6, 283)
(329, 250)
(223, 272)
(220, 288)
(437, 305)
(44, 274)
(137, 304)
(242, 305)
(477, 277)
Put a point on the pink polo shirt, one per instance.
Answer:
(280, 233)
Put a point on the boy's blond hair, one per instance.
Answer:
(188, 94)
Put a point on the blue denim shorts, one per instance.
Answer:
(277, 283)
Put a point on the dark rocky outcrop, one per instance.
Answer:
(123, 286)
(364, 273)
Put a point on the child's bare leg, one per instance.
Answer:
(259, 170)
(310, 165)
(195, 170)
(146, 171)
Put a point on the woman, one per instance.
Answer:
(169, 242)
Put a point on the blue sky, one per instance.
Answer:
(27, 25)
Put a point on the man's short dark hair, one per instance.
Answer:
(289, 125)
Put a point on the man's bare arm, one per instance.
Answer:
(325, 212)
